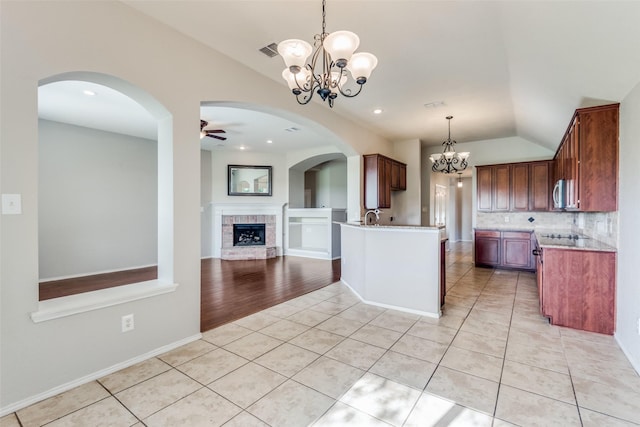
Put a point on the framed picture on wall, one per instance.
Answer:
(245, 180)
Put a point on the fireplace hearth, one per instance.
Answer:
(249, 235)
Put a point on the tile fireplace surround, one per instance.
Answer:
(225, 216)
(231, 252)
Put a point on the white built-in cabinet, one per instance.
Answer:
(313, 232)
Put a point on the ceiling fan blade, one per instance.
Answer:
(215, 131)
(221, 138)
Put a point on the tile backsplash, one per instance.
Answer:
(602, 226)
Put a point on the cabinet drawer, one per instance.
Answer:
(516, 235)
(487, 233)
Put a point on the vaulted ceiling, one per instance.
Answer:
(501, 68)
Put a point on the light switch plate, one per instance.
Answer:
(11, 204)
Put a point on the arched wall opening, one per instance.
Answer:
(124, 169)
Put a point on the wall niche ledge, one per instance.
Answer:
(95, 300)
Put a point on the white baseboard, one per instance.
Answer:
(94, 376)
(393, 307)
(635, 363)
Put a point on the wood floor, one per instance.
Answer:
(230, 289)
(234, 289)
(95, 282)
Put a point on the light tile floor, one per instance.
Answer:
(325, 359)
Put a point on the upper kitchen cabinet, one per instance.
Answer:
(587, 160)
(513, 187)
(381, 176)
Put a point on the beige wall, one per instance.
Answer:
(37, 360)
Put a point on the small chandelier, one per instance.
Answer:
(335, 51)
(449, 161)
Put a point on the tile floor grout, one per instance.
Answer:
(362, 377)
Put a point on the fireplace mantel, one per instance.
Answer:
(228, 209)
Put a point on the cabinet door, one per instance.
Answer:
(501, 187)
(516, 250)
(403, 177)
(384, 182)
(484, 178)
(540, 277)
(598, 156)
(539, 186)
(579, 289)
(395, 175)
(371, 181)
(520, 187)
(487, 248)
(571, 166)
(398, 176)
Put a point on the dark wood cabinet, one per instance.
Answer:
(501, 188)
(514, 187)
(577, 288)
(520, 187)
(587, 159)
(398, 175)
(487, 248)
(504, 249)
(443, 270)
(381, 176)
(484, 179)
(540, 185)
(516, 250)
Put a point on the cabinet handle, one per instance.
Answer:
(535, 252)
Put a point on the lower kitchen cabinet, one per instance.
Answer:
(504, 249)
(577, 288)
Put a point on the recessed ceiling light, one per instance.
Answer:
(89, 92)
(242, 147)
(377, 111)
(269, 141)
(434, 104)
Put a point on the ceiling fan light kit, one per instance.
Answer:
(449, 161)
(333, 56)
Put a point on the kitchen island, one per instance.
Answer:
(395, 267)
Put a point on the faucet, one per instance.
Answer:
(373, 211)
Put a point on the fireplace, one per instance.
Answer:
(249, 235)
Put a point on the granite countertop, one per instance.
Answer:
(583, 243)
(506, 227)
(389, 226)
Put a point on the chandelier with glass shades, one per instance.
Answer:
(326, 74)
(449, 161)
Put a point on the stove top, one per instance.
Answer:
(563, 236)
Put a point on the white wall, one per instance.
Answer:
(97, 204)
(170, 70)
(279, 175)
(628, 287)
(460, 210)
(331, 185)
(206, 215)
(405, 205)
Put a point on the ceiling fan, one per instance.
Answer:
(211, 133)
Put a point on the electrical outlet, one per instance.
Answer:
(506, 219)
(638, 325)
(127, 323)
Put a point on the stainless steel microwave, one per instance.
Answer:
(560, 194)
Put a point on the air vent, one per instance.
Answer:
(292, 129)
(270, 50)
